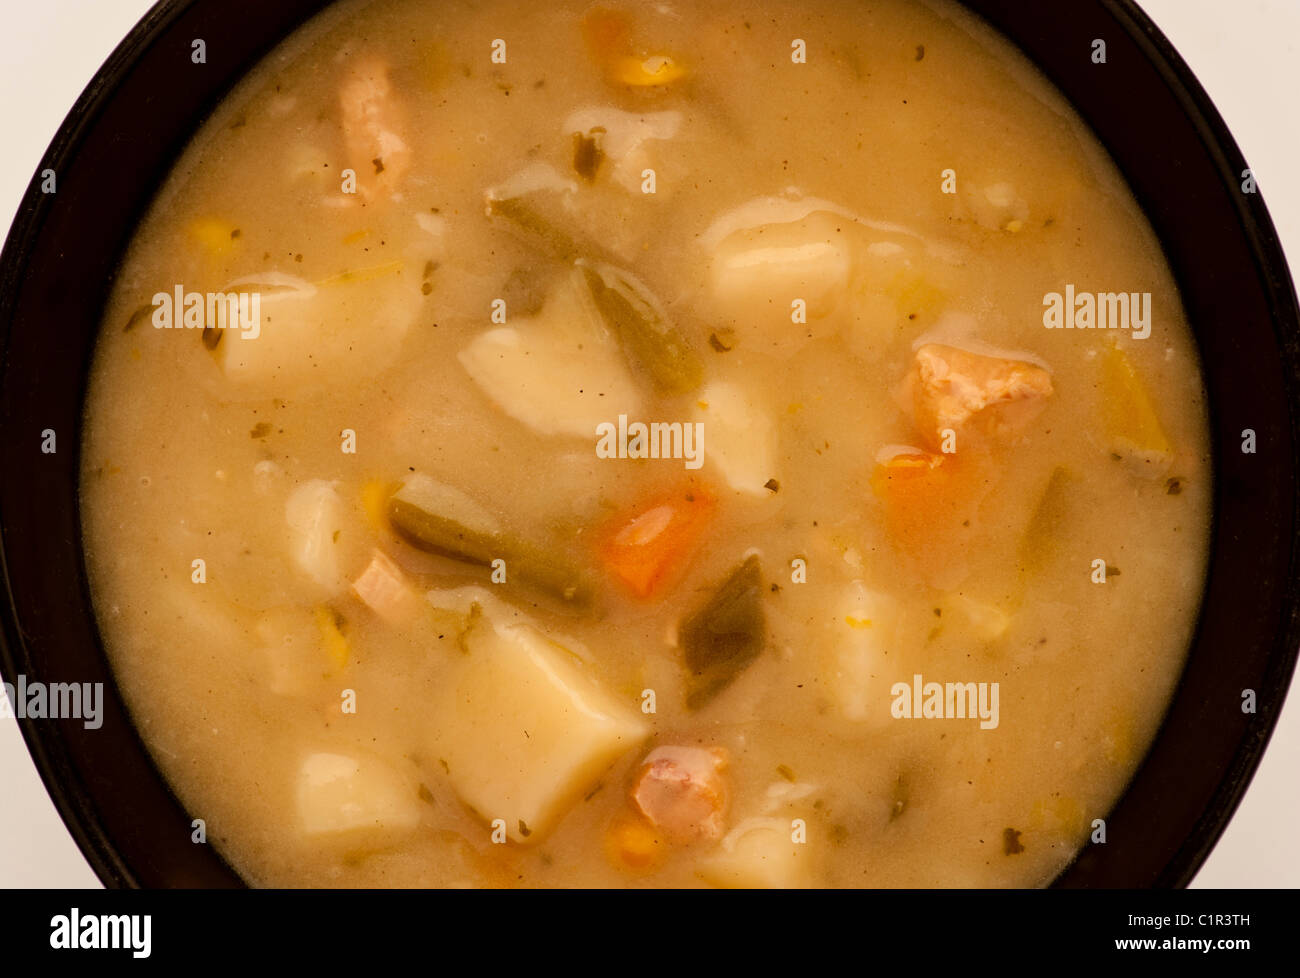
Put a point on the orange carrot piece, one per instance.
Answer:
(648, 549)
(633, 845)
(930, 501)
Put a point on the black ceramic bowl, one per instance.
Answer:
(1148, 110)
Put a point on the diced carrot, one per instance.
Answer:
(930, 501)
(913, 486)
(648, 549)
(633, 845)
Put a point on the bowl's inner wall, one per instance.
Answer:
(1183, 167)
(1187, 173)
(110, 157)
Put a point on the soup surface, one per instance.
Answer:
(746, 444)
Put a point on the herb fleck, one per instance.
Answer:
(723, 341)
(587, 154)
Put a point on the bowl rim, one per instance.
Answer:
(1269, 259)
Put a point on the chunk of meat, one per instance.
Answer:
(383, 587)
(955, 389)
(372, 126)
(682, 792)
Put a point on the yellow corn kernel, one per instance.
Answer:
(374, 497)
(657, 69)
(216, 236)
(633, 845)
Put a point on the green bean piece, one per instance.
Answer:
(721, 639)
(440, 520)
(530, 225)
(641, 327)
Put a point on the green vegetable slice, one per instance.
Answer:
(721, 639)
(530, 225)
(630, 311)
(587, 154)
(1040, 541)
(638, 322)
(441, 520)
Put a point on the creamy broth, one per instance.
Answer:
(392, 606)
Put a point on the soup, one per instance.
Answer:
(646, 445)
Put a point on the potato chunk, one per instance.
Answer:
(558, 373)
(952, 388)
(346, 798)
(335, 332)
(739, 436)
(758, 273)
(804, 259)
(523, 731)
(861, 637)
(760, 853)
(315, 515)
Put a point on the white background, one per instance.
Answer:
(1243, 51)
